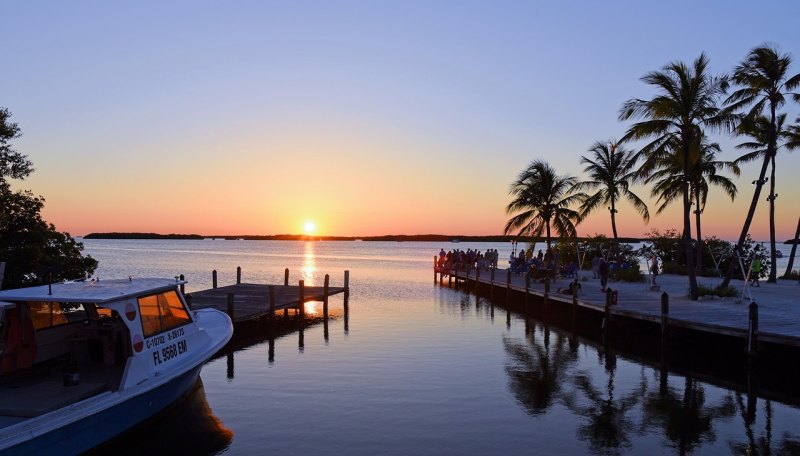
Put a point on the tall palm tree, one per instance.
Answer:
(793, 142)
(611, 173)
(765, 83)
(685, 105)
(667, 180)
(542, 200)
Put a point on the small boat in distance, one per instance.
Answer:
(82, 362)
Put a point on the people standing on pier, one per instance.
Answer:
(596, 266)
(603, 270)
(654, 267)
(756, 270)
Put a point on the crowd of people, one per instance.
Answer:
(466, 260)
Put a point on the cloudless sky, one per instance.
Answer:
(366, 117)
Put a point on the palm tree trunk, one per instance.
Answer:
(794, 250)
(773, 271)
(614, 227)
(747, 221)
(548, 233)
(699, 236)
(687, 222)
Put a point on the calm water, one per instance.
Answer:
(425, 369)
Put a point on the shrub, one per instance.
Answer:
(727, 292)
(672, 267)
(632, 274)
(793, 275)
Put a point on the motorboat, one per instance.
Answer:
(82, 362)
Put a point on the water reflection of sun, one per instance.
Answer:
(309, 264)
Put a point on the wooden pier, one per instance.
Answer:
(248, 301)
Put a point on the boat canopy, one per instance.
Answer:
(98, 292)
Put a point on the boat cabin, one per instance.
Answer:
(67, 342)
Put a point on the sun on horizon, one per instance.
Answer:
(309, 227)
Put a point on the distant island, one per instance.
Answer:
(304, 237)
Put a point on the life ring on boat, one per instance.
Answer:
(20, 345)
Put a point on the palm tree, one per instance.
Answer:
(542, 200)
(686, 103)
(611, 173)
(668, 179)
(765, 83)
(793, 142)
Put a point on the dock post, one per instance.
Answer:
(575, 286)
(271, 302)
(546, 300)
(607, 317)
(230, 306)
(491, 283)
(214, 278)
(527, 288)
(434, 269)
(238, 275)
(301, 305)
(188, 301)
(508, 283)
(347, 281)
(664, 317)
(450, 278)
(183, 285)
(752, 331)
(326, 286)
(286, 277)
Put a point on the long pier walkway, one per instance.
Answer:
(778, 305)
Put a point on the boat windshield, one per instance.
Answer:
(162, 312)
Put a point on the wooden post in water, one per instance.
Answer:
(347, 282)
(214, 278)
(183, 285)
(435, 269)
(752, 331)
(301, 305)
(230, 306)
(664, 317)
(607, 317)
(238, 275)
(527, 288)
(508, 283)
(286, 277)
(491, 284)
(325, 288)
(188, 300)
(546, 299)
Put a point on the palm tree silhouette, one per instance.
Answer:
(542, 200)
(667, 179)
(685, 105)
(765, 83)
(611, 173)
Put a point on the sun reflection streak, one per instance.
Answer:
(309, 267)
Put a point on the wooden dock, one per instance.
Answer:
(775, 317)
(249, 301)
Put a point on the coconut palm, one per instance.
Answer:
(765, 83)
(685, 105)
(542, 200)
(611, 174)
(667, 179)
(793, 142)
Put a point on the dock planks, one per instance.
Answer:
(251, 300)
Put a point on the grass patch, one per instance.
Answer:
(727, 292)
(794, 275)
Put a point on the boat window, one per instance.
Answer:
(50, 314)
(162, 312)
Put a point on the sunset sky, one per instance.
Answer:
(364, 117)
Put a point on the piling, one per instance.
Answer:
(607, 317)
(214, 278)
(546, 299)
(434, 269)
(325, 297)
(183, 285)
(508, 283)
(301, 305)
(752, 330)
(230, 305)
(286, 277)
(664, 316)
(347, 281)
(527, 288)
(238, 275)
